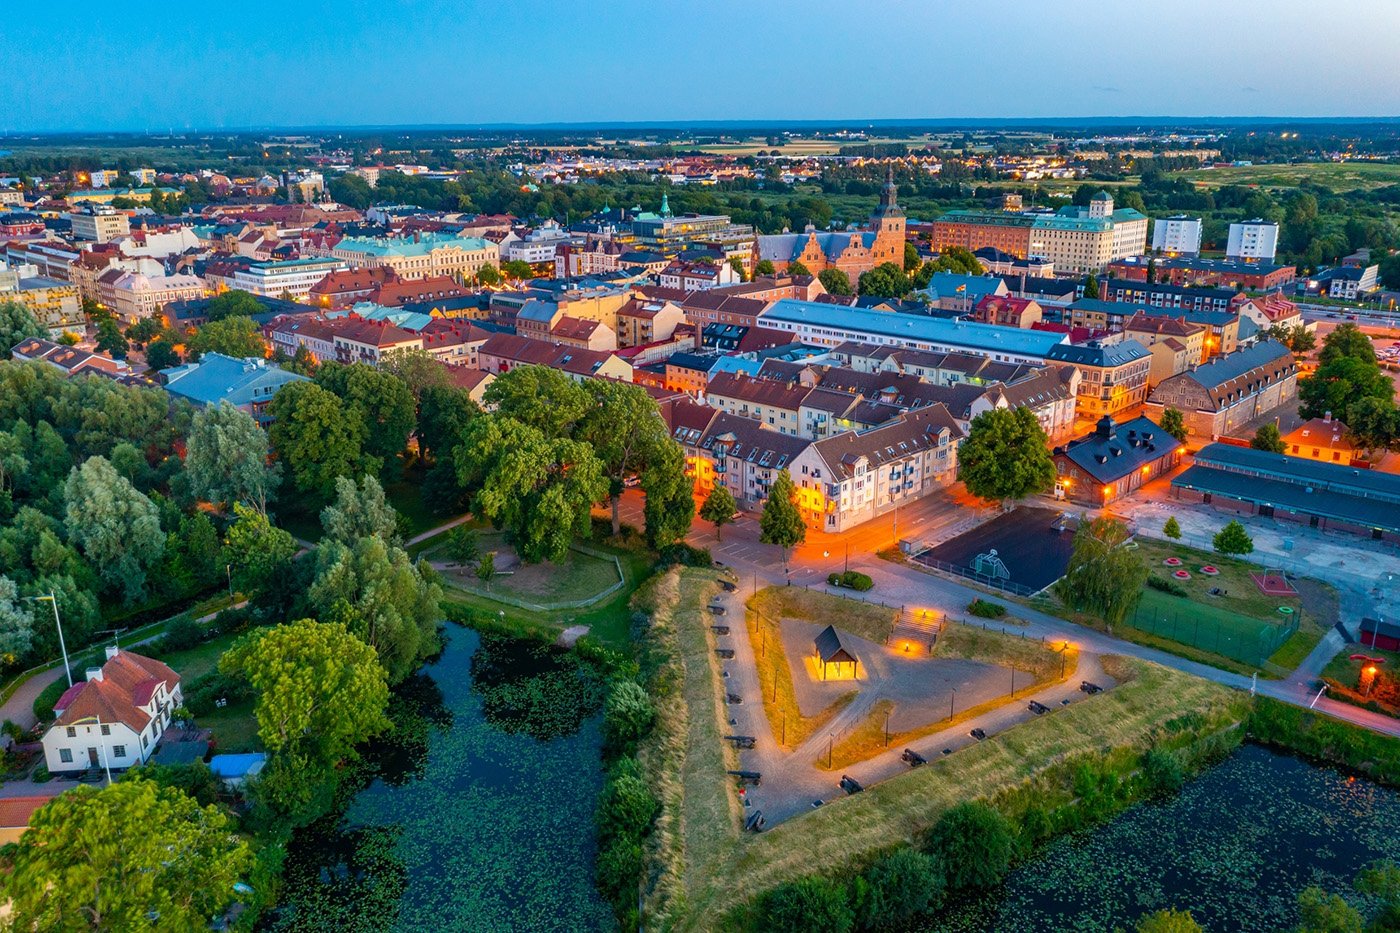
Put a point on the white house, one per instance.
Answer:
(115, 718)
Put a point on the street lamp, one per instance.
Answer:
(53, 600)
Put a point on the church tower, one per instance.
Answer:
(888, 224)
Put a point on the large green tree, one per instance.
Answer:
(16, 623)
(257, 553)
(718, 508)
(628, 436)
(319, 688)
(227, 459)
(318, 438)
(887, 280)
(380, 400)
(781, 520)
(114, 525)
(1373, 423)
(974, 843)
(1334, 386)
(1174, 423)
(233, 303)
(17, 323)
(381, 597)
(360, 511)
(1005, 455)
(544, 399)
(132, 856)
(1105, 577)
(541, 488)
(670, 495)
(1268, 438)
(237, 337)
(835, 281)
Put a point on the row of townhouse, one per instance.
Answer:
(842, 480)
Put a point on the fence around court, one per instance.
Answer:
(1210, 628)
(1008, 586)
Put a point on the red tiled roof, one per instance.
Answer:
(17, 811)
(127, 683)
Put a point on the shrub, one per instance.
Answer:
(1166, 586)
(628, 714)
(203, 691)
(975, 844)
(618, 869)
(626, 806)
(1168, 921)
(685, 555)
(986, 609)
(898, 888)
(851, 579)
(1172, 529)
(809, 905)
(1162, 773)
(183, 633)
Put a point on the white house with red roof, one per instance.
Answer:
(115, 718)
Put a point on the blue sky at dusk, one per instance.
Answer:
(142, 65)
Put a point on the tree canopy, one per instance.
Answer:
(318, 438)
(237, 337)
(114, 525)
(1005, 455)
(17, 323)
(781, 520)
(360, 511)
(1104, 577)
(378, 399)
(226, 458)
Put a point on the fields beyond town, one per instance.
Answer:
(1337, 176)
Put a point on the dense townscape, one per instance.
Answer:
(807, 526)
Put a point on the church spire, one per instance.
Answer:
(889, 204)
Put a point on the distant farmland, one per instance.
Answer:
(1337, 176)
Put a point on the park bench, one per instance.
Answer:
(913, 757)
(978, 734)
(751, 778)
(740, 741)
(734, 698)
(725, 653)
(850, 785)
(720, 629)
(756, 822)
(1090, 688)
(728, 586)
(1037, 707)
(716, 610)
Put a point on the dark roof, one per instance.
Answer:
(829, 647)
(1233, 376)
(1097, 353)
(1282, 494)
(1371, 484)
(1112, 451)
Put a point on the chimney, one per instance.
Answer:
(1327, 418)
(111, 652)
(94, 673)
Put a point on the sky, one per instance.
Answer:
(142, 65)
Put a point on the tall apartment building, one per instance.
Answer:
(99, 224)
(1075, 239)
(1177, 236)
(1255, 239)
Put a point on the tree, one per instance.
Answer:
(628, 714)
(1372, 423)
(443, 414)
(835, 281)
(144, 330)
(462, 545)
(547, 400)
(360, 511)
(256, 552)
(317, 438)
(197, 547)
(233, 303)
(1105, 577)
(516, 269)
(111, 340)
(1268, 438)
(1005, 455)
(237, 337)
(380, 400)
(114, 525)
(1347, 341)
(898, 888)
(1335, 385)
(1172, 529)
(1320, 912)
(807, 905)
(628, 436)
(486, 568)
(319, 687)
(737, 265)
(16, 624)
(542, 489)
(1091, 286)
(781, 521)
(1174, 423)
(381, 597)
(764, 267)
(417, 369)
(887, 280)
(796, 268)
(226, 458)
(670, 495)
(973, 842)
(115, 858)
(718, 508)
(303, 362)
(17, 323)
(1233, 539)
(161, 355)
(1168, 921)
(1296, 338)
(911, 258)
(488, 276)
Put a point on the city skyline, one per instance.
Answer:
(471, 64)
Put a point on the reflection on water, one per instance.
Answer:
(1234, 848)
(480, 816)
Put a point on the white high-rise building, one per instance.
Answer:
(1253, 239)
(1177, 236)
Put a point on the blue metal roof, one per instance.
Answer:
(217, 378)
(913, 329)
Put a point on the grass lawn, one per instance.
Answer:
(235, 728)
(847, 832)
(864, 620)
(685, 758)
(1342, 675)
(1241, 594)
(578, 577)
(405, 495)
(1042, 663)
(1338, 176)
(609, 621)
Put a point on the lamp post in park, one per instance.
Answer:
(53, 601)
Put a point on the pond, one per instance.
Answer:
(1234, 848)
(478, 815)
